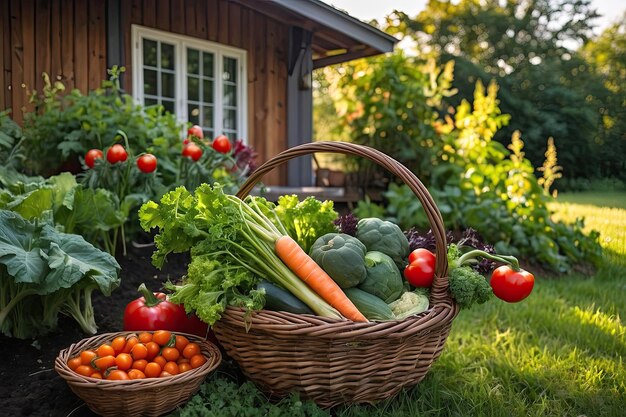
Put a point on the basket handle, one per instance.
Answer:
(440, 284)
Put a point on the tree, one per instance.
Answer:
(526, 46)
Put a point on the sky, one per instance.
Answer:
(366, 10)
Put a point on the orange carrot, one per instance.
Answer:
(315, 277)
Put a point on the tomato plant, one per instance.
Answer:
(193, 151)
(510, 285)
(420, 271)
(116, 153)
(221, 144)
(91, 156)
(147, 163)
(196, 131)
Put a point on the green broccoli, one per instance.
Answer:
(468, 287)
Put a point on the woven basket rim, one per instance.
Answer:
(214, 359)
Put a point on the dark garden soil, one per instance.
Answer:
(29, 385)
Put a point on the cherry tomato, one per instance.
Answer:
(420, 271)
(91, 156)
(181, 342)
(145, 337)
(197, 361)
(105, 350)
(196, 131)
(97, 375)
(147, 163)
(171, 368)
(171, 354)
(136, 374)
(153, 350)
(191, 350)
(118, 344)
(510, 285)
(116, 153)
(74, 363)
(140, 364)
(117, 375)
(123, 361)
(152, 370)
(139, 351)
(192, 151)
(130, 343)
(162, 337)
(86, 356)
(164, 374)
(160, 360)
(184, 367)
(221, 144)
(84, 370)
(103, 363)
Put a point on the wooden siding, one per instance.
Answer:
(64, 38)
(67, 39)
(266, 41)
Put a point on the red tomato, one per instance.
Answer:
(147, 163)
(91, 156)
(154, 312)
(222, 144)
(196, 131)
(510, 285)
(116, 153)
(421, 269)
(192, 151)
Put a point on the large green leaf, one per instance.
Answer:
(71, 259)
(32, 204)
(95, 209)
(20, 249)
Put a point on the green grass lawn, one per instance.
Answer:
(559, 353)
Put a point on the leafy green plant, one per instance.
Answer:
(44, 272)
(478, 183)
(96, 214)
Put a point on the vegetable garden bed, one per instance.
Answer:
(29, 384)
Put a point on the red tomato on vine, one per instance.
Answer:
(221, 144)
(510, 285)
(91, 156)
(196, 131)
(192, 151)
(116, 153)
(147, 163)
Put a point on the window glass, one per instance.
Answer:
(209, 75)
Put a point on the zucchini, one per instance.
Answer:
(372, 307)
(278, 299)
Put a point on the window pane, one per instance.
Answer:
(168, 86)
(207, 65)
(193, 114)
(193, 88)
(207, 116)
(150, 82)
(207, 93)
(193, 61)
(149, 53)
(169, 106)
(230, 95)
(167, 56)
(230, 70)
(230, 119)
(150, 102)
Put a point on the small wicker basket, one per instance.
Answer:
(140, 397)
(333, 361)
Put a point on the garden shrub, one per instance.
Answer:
(479, 183)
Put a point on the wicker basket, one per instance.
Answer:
(140, 397)
(333, 361)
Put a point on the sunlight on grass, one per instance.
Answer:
(610, 324)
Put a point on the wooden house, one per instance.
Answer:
(239, 67)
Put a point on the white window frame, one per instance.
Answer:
(181, 43)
